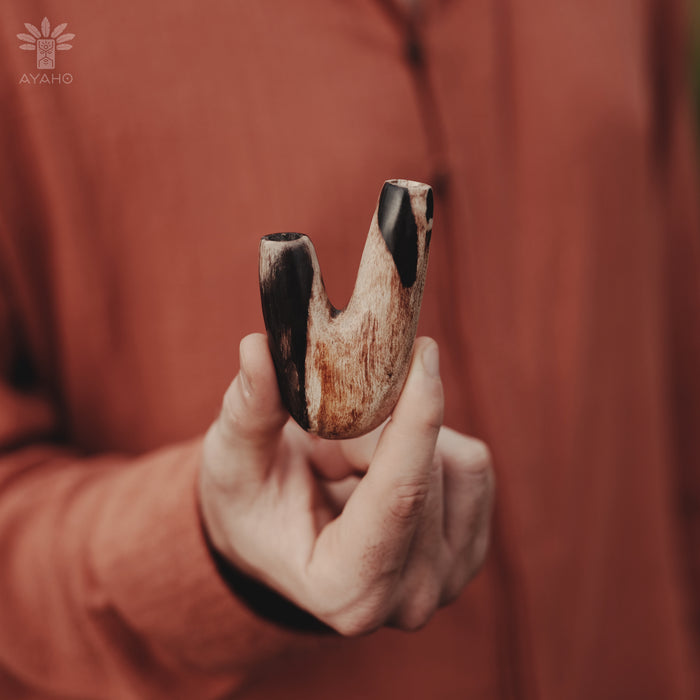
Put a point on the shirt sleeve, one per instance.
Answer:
(107, 585)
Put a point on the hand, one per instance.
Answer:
(379, 530)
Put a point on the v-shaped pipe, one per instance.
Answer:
(340, 373)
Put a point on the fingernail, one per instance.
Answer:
(431, 360)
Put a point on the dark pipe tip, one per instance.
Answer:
(282, 237)
(399, 230)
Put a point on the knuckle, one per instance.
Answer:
(358, 619)
(456, 584)
(475, 471)
(415, 613)
(408, 499)
(356, 626)
(354, 609)
(480, 458)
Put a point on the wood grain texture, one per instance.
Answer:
(341, 372)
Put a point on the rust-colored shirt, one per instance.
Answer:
(136, 177)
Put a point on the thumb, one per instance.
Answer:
(252, 415)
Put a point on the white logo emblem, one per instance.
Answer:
(46, 42)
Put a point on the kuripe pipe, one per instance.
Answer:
(340, 373)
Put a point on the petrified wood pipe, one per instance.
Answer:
(340, 373)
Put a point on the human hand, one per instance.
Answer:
(378, 530)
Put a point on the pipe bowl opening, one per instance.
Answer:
(285, 237)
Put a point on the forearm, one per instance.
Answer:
(107, 585)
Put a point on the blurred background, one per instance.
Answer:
(696, 59)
